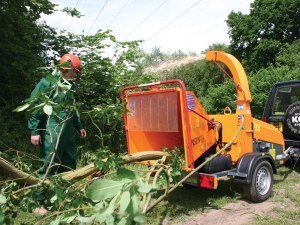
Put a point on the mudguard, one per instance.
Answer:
(246, 165)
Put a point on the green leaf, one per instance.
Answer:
(2, 217)
(61, 196)
(50, 78)
(109, 219)
(112, 203)
(124, 202)
(48, 109)
(53, 199)
(112, 38)
(55, 93)
(125, 173)
(70, 219)
(76, 202)
(101, 215)
(135, 204)
(21, 108)
(56, 222)
(86, 219)
(139, 218)
(143, 187)
(124, 221)
(104, 189)
(2, 199)
(99, 164)
(65, 65)
(63, 86)
(39, 106)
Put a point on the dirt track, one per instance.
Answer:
(241, 212)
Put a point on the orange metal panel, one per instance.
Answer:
(202, 137)
(239, 76)
(265, 131)
(156, 120)
(230, 124)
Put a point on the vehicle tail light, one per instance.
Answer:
(207, 181)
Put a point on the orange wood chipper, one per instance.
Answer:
(165, 115)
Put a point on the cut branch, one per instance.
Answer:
(9, 171)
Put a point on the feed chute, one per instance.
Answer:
(166, 118)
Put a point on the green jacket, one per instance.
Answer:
(38, 121)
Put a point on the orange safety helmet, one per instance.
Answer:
(72, 59)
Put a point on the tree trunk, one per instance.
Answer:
(10, 172)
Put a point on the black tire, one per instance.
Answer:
(261, 185)
(291, 121)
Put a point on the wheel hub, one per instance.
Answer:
(262, 181)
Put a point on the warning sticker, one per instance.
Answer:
(272, 152)
(256, 127)
(241, 107)
(132, 107)
(132, 104)
(240, 118)
(190, 102)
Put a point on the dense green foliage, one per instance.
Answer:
(19, 61)
(286, 68)
(25, 45)
(99, 87)
(256, 39)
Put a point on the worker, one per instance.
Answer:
(45, 129)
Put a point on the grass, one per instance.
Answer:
(290, 217)
(183, 202)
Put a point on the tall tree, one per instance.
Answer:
(287, 68)
(256, 38)
(21, 46)
(25, 44)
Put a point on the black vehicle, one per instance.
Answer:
(283, 111)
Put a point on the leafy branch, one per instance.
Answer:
(120, 197)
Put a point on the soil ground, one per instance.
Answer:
(228, 204)
(238, 213)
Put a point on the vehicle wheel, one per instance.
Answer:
(261, 185)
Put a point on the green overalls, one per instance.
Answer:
(49, 129)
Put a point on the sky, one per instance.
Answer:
(171, 25)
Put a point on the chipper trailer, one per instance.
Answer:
(165, 115)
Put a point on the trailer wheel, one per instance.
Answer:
(261, 185)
